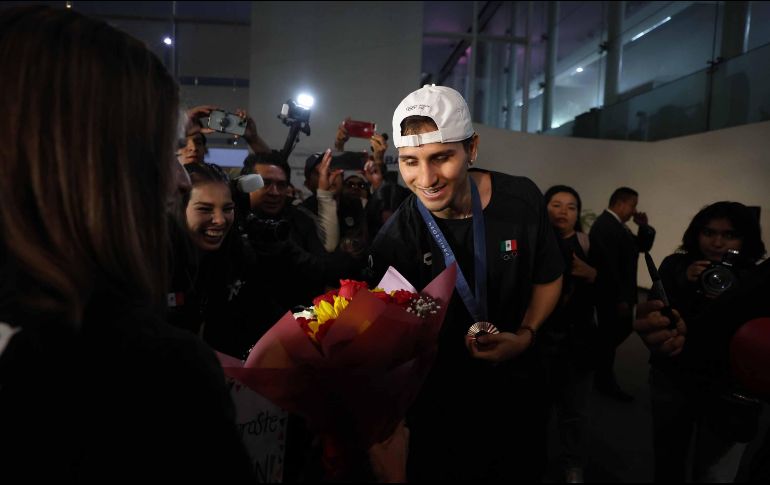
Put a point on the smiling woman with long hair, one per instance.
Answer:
(93, 385)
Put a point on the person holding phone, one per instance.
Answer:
(192, 149)
(615, 250)
(332, 205)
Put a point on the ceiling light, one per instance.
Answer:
(167, 40)
(642, 33)
(579, 69)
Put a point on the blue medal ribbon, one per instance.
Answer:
(476, 305)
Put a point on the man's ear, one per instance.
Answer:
(474, 149)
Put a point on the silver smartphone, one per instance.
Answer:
(225, 122)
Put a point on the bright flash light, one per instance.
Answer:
(167, 41)
(305, 101)
(579, 69)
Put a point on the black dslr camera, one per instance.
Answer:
(720, 276)
(266, 230)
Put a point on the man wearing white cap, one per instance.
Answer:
(480, 414)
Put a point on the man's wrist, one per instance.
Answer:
(532, 331)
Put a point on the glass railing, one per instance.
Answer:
(667, 84)
(731, 93)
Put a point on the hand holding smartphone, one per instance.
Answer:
(660, 292)
(359, 129)
(348, 161)
(225, 122)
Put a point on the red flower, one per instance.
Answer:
(402, 297)
(327, 297)
(322, 329)
(303, 322)
(383, 295)
(348, 288)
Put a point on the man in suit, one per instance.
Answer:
(615, 250)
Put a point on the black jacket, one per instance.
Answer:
(126, 397)
(615, 250)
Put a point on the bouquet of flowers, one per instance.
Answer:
(352, 364)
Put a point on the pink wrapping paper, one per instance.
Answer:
(370, 367)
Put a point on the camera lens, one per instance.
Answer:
(717, 279)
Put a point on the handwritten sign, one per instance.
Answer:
(262, 425)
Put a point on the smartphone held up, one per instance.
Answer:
(224, 122)
(360, 129)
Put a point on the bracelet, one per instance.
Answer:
(532, 332)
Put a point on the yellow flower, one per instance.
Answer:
(325, 311)
(313, 324)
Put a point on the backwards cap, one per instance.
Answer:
(445, 106)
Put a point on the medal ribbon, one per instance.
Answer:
(476, 305)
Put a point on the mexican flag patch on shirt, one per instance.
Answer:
(175, 299)
(508, 246)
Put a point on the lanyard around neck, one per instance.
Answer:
(477, 306)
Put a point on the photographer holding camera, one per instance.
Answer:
(288, 237)
(193, 148)
(689, 391)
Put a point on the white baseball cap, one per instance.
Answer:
(445, 106)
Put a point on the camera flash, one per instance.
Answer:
(305, 101)
(167, 41)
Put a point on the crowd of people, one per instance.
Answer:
(123, 268)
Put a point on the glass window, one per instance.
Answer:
(436, 52)
(458, 77)
(632, 8)
(577, 91)
(455, 17)
(648, 57)
(498, 21)
(491, 84)
(740, 90)
(581, 27)
(676, 109)
(759, 28)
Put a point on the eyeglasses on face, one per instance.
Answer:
(279, 184)
(356, 185)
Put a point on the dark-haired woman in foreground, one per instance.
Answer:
(94, 386)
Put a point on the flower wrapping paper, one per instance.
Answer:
(366, 372)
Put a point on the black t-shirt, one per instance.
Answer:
(574, 313)
(521, 251)
(515, 216)
(570, 330)
(459, 235)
